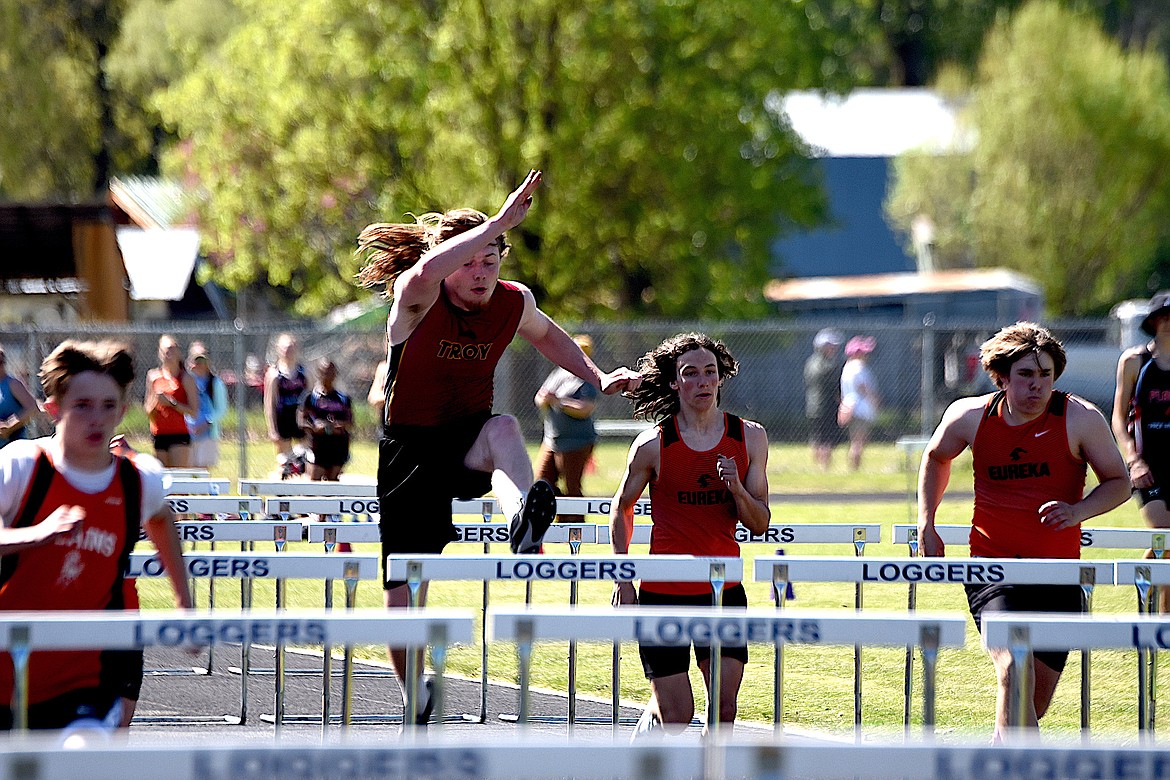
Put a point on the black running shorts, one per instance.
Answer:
(663, 661)
(1026, 598)
(420, 470)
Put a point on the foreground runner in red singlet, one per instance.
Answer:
(707, 471)
(451, 318)
(1030, 446)
(70, 511)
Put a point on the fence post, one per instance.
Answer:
(927, 373)
(241, 397)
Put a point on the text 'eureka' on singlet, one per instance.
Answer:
(1018, 468)
(1150, 408)
(445, 369)
(693, 511)
(80, 572)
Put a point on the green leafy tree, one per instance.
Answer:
(1067, 150)
(667, 179)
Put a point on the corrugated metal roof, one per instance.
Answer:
(889, 285)
(152, 202)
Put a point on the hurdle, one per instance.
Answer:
(681, 626)
(780, 570)
(196, 486)
(222, 507)
(529, 757)
(213, 531)
(1147, 577)
(351, 568)
(414, 569)
(23, 632)
(297, 487)
(1022, 633)
(1153, 539)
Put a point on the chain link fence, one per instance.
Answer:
(919, 367)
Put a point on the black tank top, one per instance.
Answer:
(1151, 412)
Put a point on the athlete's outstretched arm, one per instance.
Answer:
(953, 435)
(551, 340)
(640, 469)
(1127, 374)
(163, 534)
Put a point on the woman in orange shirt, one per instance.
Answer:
(170, 394)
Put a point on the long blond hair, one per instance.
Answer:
(391, 248)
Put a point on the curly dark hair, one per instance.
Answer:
(655, 399)
(389, 249)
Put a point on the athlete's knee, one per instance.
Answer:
(503, 428)
(676, 712)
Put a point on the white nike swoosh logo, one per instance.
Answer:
(1038, 435)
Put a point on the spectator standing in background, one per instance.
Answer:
(170, 399)
(566, 403)
(822, 394)
(326, 416)
(213, 403)
(859, 397)
(17, 406)
(284, 387)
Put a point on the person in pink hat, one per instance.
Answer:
(859, 397)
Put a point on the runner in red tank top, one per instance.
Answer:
(451, 318)
(1030, 446)
(707, 471)
(69, 516)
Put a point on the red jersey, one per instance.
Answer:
(445, 369)
(692, 510)
(166, 418)
(1018, 468)
(84, 571)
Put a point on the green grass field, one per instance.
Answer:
(818, 680)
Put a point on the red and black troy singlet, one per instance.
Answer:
(84, 571)
(1018, 468)
(444, 370)
(693, 511)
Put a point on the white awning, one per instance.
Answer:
(158, 262)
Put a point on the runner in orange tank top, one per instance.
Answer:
(1030, 448)
(70, 511)
(707, 471)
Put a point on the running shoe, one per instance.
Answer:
(537, 512)
(425, 712)
(648, 726)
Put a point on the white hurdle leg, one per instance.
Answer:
(779, 591)
(715, 698)
(1088, 580)
(352, 570)
(410, 714)
(525, 635)
(1142, 577)
(929, 643)
(908, 678)
(327, 650)
(18, 648)
(1020, 647)
(574, 549)
(280, 536)
(859, 539)
(1158, 545)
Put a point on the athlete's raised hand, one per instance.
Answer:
(620, 380)
(516, 207)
